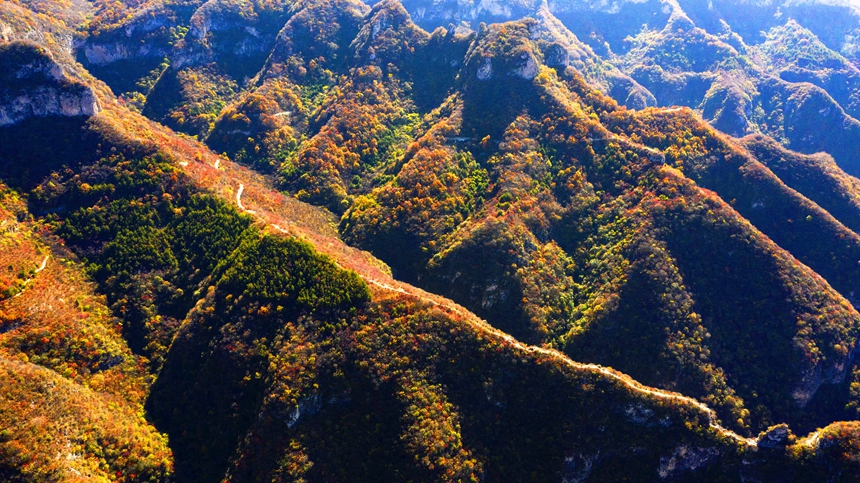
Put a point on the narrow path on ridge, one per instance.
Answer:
(239, 200)
(30, 279)
(624, 379)
(43, 265)
(393, 286)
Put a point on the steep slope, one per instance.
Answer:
(551, 237)
(730, 83)
(127, 45)
(747, 67)
(834, 23)
(73, 392)
(547, 216)
(566, 50)
(460, 390)
(226, 44)
(147, 215)
(817, 177)
(266, 124)
(278, 352)
(796, 55)
(36, 86)
(753, 190)
(664, 53)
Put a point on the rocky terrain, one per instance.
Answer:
(39, 87)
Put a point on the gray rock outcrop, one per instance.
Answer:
(35, 85)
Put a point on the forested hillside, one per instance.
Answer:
(321, 240)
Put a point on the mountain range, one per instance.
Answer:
(324, 240)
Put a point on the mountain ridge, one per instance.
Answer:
(575, 229)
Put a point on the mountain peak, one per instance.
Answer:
(505, 50)
(33, 84)
(387, 34)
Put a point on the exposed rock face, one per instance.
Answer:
(485, 72)
(43, 102)
(557, 56)
(639, 414)
(5, 31)
(685, 459)
(306, 407)
(440, 12)
(529, 67)
(123, 53)
(381, 23)
(821, 373)
(775, 437)
(100, 54)
(146, 35)
(34, 85)
(220, 29)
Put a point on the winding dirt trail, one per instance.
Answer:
(239, 200)
(30, 279)
(394, 286)
(43, 265)
(606, 371)
(579, 366)
(304, 222)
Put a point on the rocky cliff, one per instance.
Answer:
(34, 85)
